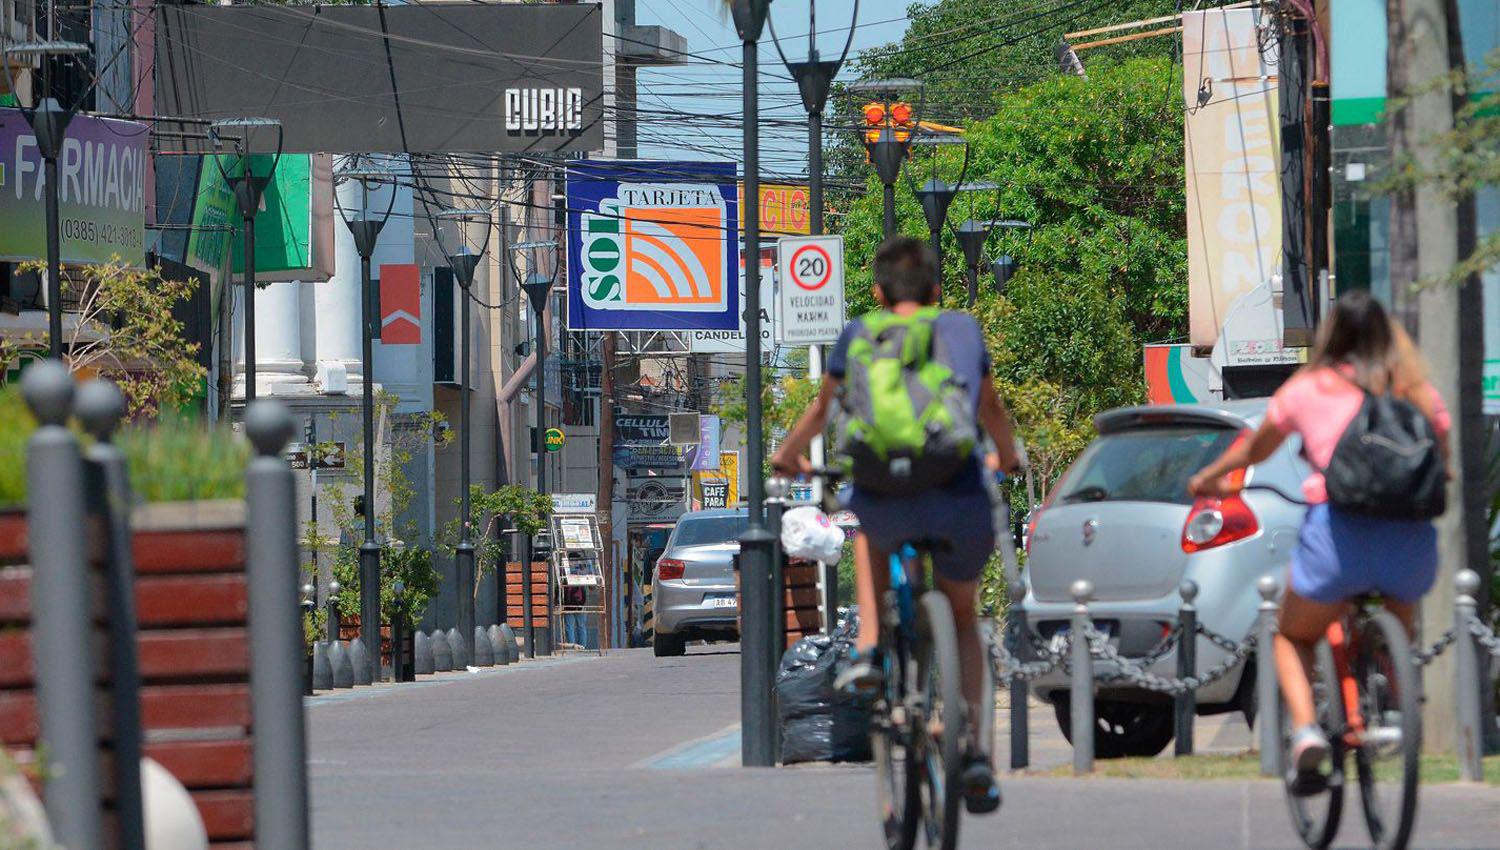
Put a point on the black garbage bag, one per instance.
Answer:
(818, 723)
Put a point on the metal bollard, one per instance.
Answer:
(1081, 699)
(442, 652)
(1468, 680)
(512, 643)
(484, 651)
(497, 646)
(62, 654)
(1020, 690)
(1267, 691)
(99, 408)
(1185, 704)
(308, 605)
(359, 658)
(280, 749)
(422, 661)
(460, 650)
(331, 625)
(401, 666)
(338, 661)
(776, 492)
(322, 671)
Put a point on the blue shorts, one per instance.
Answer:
(958, 516)
(1341, 555)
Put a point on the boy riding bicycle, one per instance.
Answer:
(935, 494)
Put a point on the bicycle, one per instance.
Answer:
(1367, 698)
(918, 725)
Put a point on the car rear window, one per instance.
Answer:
(1148, 465)
(706, 531)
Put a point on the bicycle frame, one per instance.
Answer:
(1338, 641)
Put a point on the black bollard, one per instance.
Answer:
(1184, 705)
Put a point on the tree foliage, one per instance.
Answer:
(123, 330)
(1096, 166)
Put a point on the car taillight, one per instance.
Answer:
(670, 568)
(1214, 522)
(1031, 528)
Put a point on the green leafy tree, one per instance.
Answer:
(406, 557)
(1096, 166)
(123, 330)
(522, 507)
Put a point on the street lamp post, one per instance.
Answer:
(972, 236)
(365, 227)
(454, 231)
(538, 287)
(248, 188)
(936, 195)
(758, 742)
(814, 79)
(49, 122)
(890, 122)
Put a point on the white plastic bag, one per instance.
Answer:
(807, 533)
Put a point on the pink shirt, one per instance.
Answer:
(1319, 405)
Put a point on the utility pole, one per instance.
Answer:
(1425, 47)
(604, 506)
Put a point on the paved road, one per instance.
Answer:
(630, 751)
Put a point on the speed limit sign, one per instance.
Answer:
(811, 301)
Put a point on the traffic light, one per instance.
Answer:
(899, 116)
(874, 121)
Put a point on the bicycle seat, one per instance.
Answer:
(930, 544)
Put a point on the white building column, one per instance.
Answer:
(337, 302)
(279, 367)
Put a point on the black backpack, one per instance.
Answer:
(1387, 463)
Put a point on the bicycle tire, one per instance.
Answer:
(897, 777)
(1316, 817)
(940, 676)
(1382, 654)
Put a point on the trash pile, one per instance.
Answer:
(818, 723)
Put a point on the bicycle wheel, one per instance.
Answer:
(943, 727)
(1315, 817)
(1388, 751)
(898, 762)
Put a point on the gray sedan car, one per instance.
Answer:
(693, 585)
(1122, 518)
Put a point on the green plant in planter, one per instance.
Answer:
(173, 458)
(520, 506)
(408, 561)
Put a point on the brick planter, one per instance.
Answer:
(191, 606)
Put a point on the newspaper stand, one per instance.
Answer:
(576, 567)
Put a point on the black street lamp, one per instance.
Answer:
(538, 287)
(814, 79)
(973, 235)
(463, 236)
(365, 226)
(757, 674)
(248, 188)
(890, 120)
(49, 122)
(936, 195)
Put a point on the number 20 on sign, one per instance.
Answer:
(811, 301)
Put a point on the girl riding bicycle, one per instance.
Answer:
(1339, 555)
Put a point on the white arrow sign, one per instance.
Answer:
(811, 302)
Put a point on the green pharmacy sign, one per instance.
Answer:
(283, 226)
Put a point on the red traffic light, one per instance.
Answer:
(902, 113)
(874, 113)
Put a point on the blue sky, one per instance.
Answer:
(710, 86)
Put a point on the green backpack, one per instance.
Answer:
(908, 422)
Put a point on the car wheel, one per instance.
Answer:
(1122, 729)
(668, 646)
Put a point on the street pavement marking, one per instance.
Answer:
(717, 750)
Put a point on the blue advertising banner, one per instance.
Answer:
(652, 246)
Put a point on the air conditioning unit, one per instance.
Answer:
(683, 428)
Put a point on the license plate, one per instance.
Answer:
(1056, 643)
(722, 601)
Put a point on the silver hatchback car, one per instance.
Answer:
(693, 588)
(1122, 518)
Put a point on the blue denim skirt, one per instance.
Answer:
(1342, 555)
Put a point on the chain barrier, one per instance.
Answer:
(1423, 657)
(1130, 670)
(1007, 668)
(1485, 636)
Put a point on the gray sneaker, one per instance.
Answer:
(863, 676)
(1309, 749)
